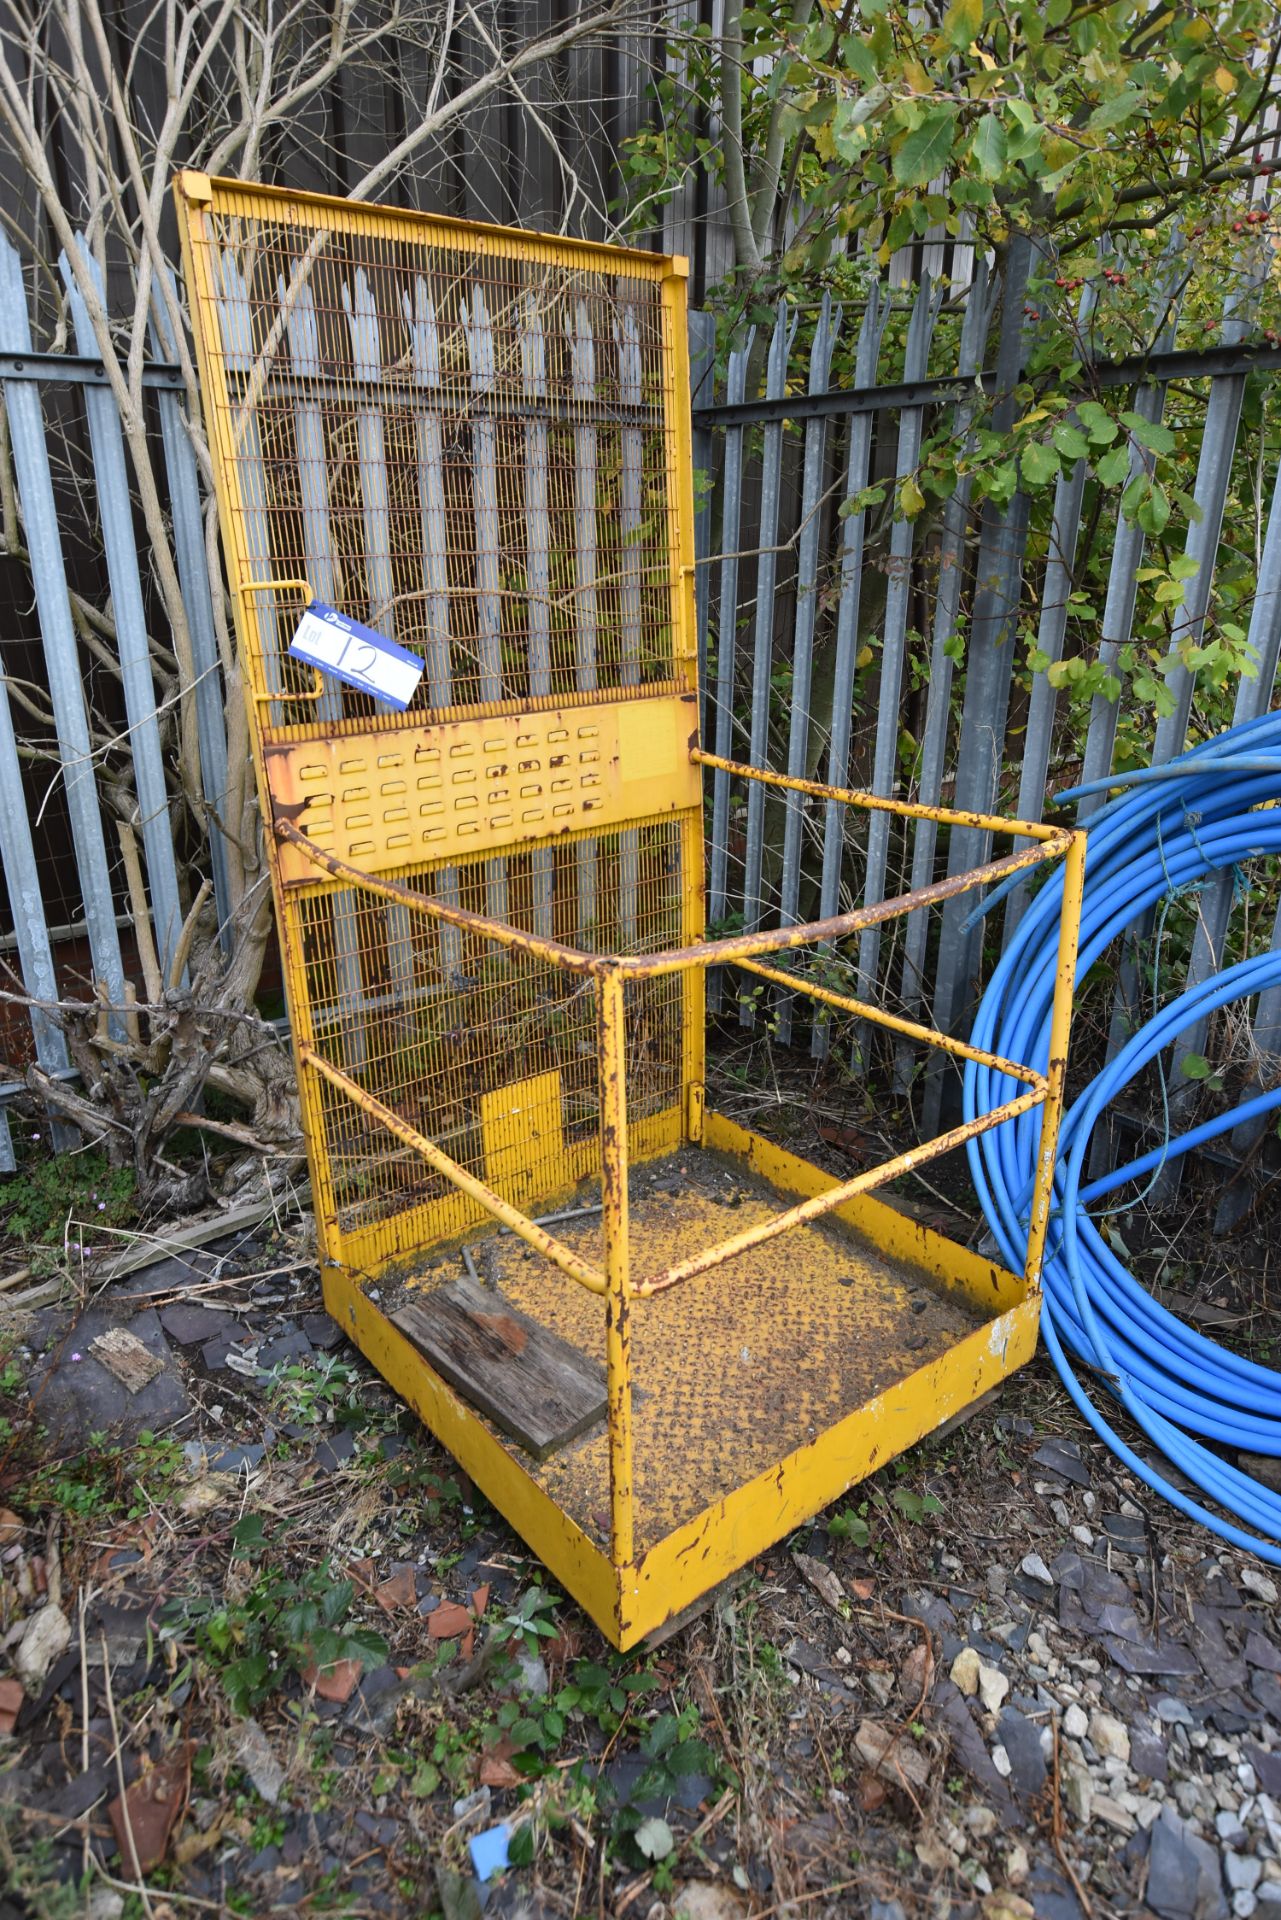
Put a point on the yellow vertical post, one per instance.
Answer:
(618, 1306)
(680, 479)
(1056, 1070)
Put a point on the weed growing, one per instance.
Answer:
(281, 1623)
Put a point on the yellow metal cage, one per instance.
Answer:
(491, 905)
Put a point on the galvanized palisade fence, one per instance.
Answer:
(783, 562)
(784, 589)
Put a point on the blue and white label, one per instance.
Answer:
(360, 656)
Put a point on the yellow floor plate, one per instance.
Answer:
(763, 1390)
(776, 1345)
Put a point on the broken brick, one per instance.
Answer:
(143, 1818)
(336, 1682)
(448, 1620)
(398, 1591)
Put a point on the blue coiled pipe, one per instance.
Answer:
(1169, 831)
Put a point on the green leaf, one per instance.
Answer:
(857, 56)
(962, 21)
(1195, 1066)
(368, 1644)
(849, 134)
(1115, 112)
(910, 499)
(661, 1735)
(1070, 441)
(1098, 423)
(520, 1848)
(927, 150)
(1149, 433)
(988, 147)
(1039, 464)
(1113, 467)
(915, 1506)
(654, 1838)
(850, 1526)
(1184, 567)
(1154, 512)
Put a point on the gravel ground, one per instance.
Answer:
(283, 1658)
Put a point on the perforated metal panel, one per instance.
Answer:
(477, 442)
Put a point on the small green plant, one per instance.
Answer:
(915, 1506)
(674, 1753)
(851, 1526)
(1195, 1066)
(59, 1201)
(320, 1394)
(283, 1623)
(529, 1620)
(30, 1873)
(116, 1482)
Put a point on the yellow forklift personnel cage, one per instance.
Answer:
(490, 905)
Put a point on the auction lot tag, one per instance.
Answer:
(356, 654)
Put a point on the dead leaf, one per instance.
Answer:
(144, 1817)
(45, 1638)
(825, 1583)
(872, 1792)
(1004, 1905)
(706, 1900)
(896, 1757)
(193, 1844)
(11, 1527)
(140, 1535)
(480, 1600)
(917, 1674)
(202, 1495)
(848, 1141)
(862, 1589)
(496, 1769)
(448, 1620)
(124, 1355)
(11, 1699)
(253, 1751)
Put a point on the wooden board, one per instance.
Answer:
(527, 1380)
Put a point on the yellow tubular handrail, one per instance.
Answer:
(526, 1229)
(594, 966)
(836, 1196)
(741, 946)
(705, 953)
(895, 1022)
(874, 803)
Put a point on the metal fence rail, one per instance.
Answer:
(808, 666)
(50, 533)
(795, 452)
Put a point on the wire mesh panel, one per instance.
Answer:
(477, 443)
(485, 424)
(480, 1021)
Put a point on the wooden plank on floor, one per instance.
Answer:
(524, 1378)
